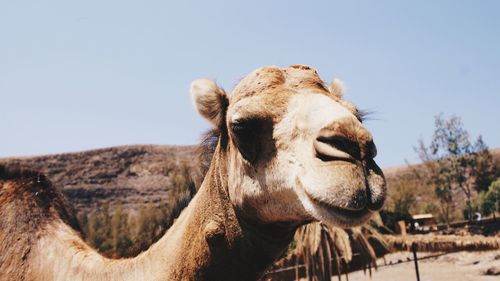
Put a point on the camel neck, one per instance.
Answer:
(216, 241)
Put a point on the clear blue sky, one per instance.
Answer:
(77, 76)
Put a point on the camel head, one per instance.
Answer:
(295, 150)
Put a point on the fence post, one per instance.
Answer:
(415, 259)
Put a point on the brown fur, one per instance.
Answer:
(28, 202)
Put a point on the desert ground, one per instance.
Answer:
(459, 266)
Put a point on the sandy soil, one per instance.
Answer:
(460, 266)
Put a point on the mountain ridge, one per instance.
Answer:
(130, 176)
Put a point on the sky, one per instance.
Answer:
(90, 74)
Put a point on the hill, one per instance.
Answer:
(127, 176)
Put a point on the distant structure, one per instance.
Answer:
(422, 222)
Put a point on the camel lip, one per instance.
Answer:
(356, 214)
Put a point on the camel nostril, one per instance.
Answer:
(336, 147)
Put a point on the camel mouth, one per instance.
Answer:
(342, 211)
(329, 213)
(342, 217)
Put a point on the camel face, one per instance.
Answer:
(296, 151)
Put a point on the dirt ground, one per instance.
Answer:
(460, 266)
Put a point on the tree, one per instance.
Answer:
(484, 167)
(490, 200)
(401, 200)
(436, 174)
(453, 148)
(120, 233)
(150, 226)
(99, 230)
(402, 197)
(453, 163)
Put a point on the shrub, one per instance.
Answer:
(490, 200)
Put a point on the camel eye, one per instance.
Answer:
(245, 127)
(246, 135)
(253, 137)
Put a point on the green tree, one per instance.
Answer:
(453, 163)
(484, 168)
(453, 148)
(435, 174)
(490, 200)
(402, 197)
(430, 208)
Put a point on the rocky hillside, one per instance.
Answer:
(130, 176)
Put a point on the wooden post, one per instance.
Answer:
(415, 259)
(401, 227)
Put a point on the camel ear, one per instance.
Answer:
(337, 88)
(210, 100)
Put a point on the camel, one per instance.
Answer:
(287, 150)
